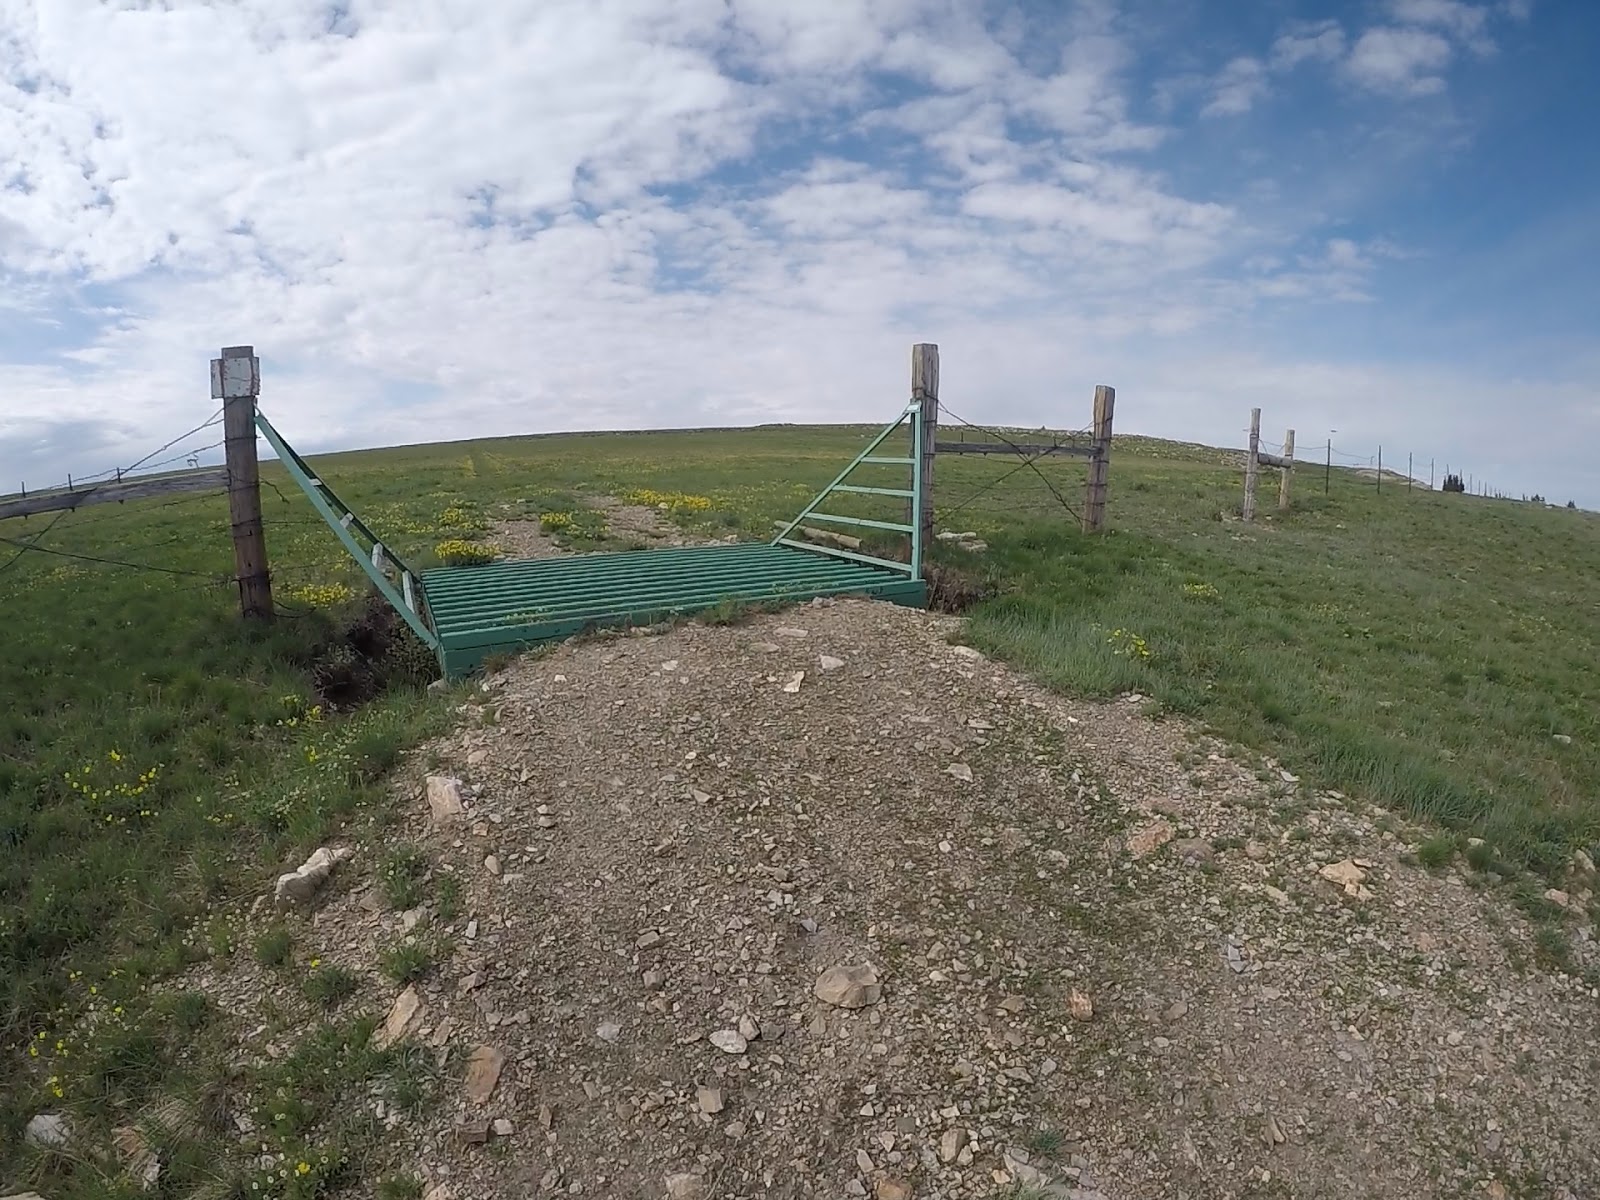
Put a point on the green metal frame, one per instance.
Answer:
(913, 413)
(408, 601)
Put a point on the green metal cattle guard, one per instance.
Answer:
(466, 614)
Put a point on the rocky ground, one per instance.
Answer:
(823, 905)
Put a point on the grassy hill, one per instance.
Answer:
(159, 761)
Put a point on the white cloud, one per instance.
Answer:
(1401, 61)
(1236, 89)
(1322, 41)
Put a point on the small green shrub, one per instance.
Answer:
(273, 946)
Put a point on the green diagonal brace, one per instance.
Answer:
(298, 471)
(914, 567)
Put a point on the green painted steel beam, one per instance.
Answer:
(887, 563)
(904, 493)
(293, 463)
(861, 522)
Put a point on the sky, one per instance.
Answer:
(444, 219)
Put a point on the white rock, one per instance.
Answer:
(829, 663)
(960, 771)
(729, 1041)
(966, 652)
(709, 1099)
(683, 1185)
(793, 684)
(403, 1014)
(47, 1129)
(951, 1144)
(444, 799)
(300, 885)
(749, 1029)
(491, 864)
(853, 985)
(609, 1031)
(790, 631)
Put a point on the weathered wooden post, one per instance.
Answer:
(236, 381)
(1287, 472)
(925, 391)
(1094, 490)
(1252, 466)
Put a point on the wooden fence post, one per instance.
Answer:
(925, 391)
(1094, 490)
(1252, 466)
(236, 381)
(1288, 472)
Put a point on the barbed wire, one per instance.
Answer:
(1029, 462)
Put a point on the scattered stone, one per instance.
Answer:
(439, 1191)
(864, 1163)
(300, 885)
(1564, 738)
(403, 1016)
(1080, 1006)
(794, 681)
(472, 1132)
(1149, 838)
(684, 1185)
(709, 1099)
(1176, 1011)
(1024, 1172)
(1276, 894)
(749, 1028)
(648, 938)
(655, 980)
(503, 1127)
(789, 631)
(1557, 897)
(830, 663)
(1255, 850)
(766, 647)
(445, 803)
(890, 1188)
(136, 1157)
(1194, 851)
(853, 985)
(966, 652)
(951, 1143)
(1582, 863)
(47, 1129)
(729, 1041)
(609, 1031)
(483, 1072)
(961, 771)
(491, 864)
(547, 1118)
(1348, 876)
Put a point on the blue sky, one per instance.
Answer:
(462, 219)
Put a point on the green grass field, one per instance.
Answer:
(159, 761)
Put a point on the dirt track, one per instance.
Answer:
(686, 834)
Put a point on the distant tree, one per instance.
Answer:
(1454, 483)
(1572, 504)
(1537, 499)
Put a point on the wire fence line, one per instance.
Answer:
(1029, 462)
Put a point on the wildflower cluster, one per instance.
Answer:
(115, 786)
(1200, 591)
(555, 522)
(1126, 644)
(299, 1176)
(677, 503)
(459, 517)
(298, 712)
(457, 552)
(322, 595)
